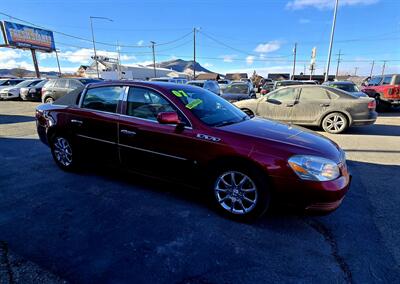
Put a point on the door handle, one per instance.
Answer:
(75, 121)
(290, 105)
(324, 105)
(128, 132)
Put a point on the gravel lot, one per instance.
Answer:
(107, 226)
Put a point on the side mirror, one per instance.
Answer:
(168, 118)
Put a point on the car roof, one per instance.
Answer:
(163, 86)
(339, 83)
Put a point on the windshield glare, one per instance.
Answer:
(236, 89)
(209, 107)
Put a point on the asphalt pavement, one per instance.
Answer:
(108, 226)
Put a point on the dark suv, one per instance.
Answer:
(385, 89)
(56, 88)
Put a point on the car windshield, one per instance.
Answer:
(41, 83)
(198, 84)
(346, 87)
(209, 107)
(88, 81)
(237, 89)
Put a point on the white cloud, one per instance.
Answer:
(228, 58)
(249, 60)
(207, 65)
(325, 4)
(140, 42)
(7, 54)
(144, 63)
(268, 47)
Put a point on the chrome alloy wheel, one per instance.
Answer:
(335, 123)
(236, 192)
(63, 151)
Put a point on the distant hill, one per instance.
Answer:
(180, 65)
(28, 73)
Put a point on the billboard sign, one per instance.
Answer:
(26, 37)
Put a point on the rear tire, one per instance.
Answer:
(240, 193)
(335, 123)
(63, 152)
(49, 100)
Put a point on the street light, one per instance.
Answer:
(331, 41)
(94, 44)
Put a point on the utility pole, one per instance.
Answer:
(194, 53)
(294, 59)
(355, 71)
(383, 67)
(305, 67)
(58, 63)
(154, 58)
(338, 62)
(94, 43)
(119, 61)
(331, 41)
(372, 68)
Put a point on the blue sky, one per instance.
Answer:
(234, 35)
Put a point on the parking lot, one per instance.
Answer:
(104, 225)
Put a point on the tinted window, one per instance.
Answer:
(146, 104)
(374, 81)
(310, 94)
(346, 87)
(74, 84)
(62, 83)
(284, 95)
(198, 84)
(387, 80)
(103, 98)
(397, 80)
(237, 89)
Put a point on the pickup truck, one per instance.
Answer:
(385, 89)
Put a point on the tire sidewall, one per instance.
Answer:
(262, 186)
(345, 119)
(73, 165)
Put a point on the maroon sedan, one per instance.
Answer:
(189, 134)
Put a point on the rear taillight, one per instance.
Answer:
(372, 105)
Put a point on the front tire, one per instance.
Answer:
(63, 153)
(335, 123)
(240, 193)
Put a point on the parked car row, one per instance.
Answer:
(185, 133)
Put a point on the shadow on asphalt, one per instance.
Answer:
(9, 119)
(103, 225)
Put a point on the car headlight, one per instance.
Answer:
(314, 168)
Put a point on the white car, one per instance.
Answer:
(13, 92)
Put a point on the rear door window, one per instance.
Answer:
(74, 84)
(102, 98)
(374, 81)
(387, 80)
(62, 83)
(312, 94)
(284, 95)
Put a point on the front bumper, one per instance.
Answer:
(313, 196)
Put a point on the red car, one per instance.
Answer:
(385, 89)
(189, 134)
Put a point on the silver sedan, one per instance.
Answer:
(332, 109)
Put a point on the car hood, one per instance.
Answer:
(294, 136)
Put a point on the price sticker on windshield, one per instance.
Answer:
(179, 93)
(194, 104)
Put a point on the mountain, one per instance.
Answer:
(180, 65)
(25, 73)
